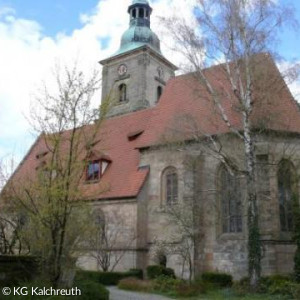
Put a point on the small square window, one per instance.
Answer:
(93, 171)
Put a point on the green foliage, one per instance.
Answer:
(87, 275)
(185, 289)
(108, 278)
(296, 236)
(277, 285)
(165, 283)
(254, 246)
(91, 290)
(16, 269)
(217, 279)
(137, 273)
(297, 264)
(134, 284)
(157, 271)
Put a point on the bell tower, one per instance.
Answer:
(135, 76)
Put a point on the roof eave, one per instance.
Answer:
(143, 47)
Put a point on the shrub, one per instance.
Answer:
(185, 289)
(157, 271)
(295, 290)
(15, 269)
(134, 284)
(217, 279)
(166, 284)
(281, 285)
(297, 263)
(241, 287)
(87, 275)
(137, 273)
(108, 278)
(91, 290)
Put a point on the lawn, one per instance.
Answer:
(228, 294)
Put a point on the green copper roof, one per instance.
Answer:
(139, 33)
(137, 36)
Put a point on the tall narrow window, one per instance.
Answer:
(231, 204)
(286, 189)
(134, 13)
(170, 185)
(159, 92)
(122, 92)
(141, 13)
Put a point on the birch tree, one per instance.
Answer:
(232, 33)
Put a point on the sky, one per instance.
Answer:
(34, 35)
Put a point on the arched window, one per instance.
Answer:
(170, 185)
(158, 92)
(122, 92)
(231, 202)
(286, 190)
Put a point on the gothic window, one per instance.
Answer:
(286, 188)
(159, 92)
(122, 92)
(170, 185)
(95, 169)
(231, 203)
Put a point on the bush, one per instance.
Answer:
(157, 271)
(217, 279)
(281, 285)
(108, 278)
(166, 283)
(185, 289)
(15, 269)
(134, 284)
(297, 263)
(87, 275)
(137, 273)
(91, 290)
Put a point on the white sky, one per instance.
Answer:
(27, 56)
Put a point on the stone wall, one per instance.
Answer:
(216, 250)
(121, 229)
(141, 79)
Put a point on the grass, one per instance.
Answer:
(228, 294)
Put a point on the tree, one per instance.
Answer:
(234, 33)
(49, 196)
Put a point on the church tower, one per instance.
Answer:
(136, 75)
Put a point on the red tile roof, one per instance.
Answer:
(185, 109)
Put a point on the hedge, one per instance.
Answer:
(15, 269)
(157, 271)
(218, 279)
(108, 278)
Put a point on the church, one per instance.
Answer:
(154, 156)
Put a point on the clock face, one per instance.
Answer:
(122, 69)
